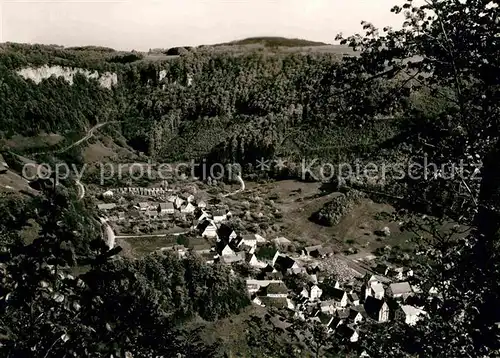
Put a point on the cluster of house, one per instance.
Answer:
(221, 243)
(229, 247)
(184, 203)
(341, 310)
(138, 191)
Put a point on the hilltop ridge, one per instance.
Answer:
(274, 41)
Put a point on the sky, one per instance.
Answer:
(145, 24)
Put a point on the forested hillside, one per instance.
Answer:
(239, 107)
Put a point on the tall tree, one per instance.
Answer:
(452, 49)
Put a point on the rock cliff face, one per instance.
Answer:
(106, 79)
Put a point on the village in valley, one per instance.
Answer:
(313, 283)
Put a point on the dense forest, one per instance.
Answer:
(61, 295)
(251, 102)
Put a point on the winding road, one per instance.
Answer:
(90, 134)
(87, 136)
(242, 183)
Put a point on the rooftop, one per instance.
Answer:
(276, 288)
(400, 288)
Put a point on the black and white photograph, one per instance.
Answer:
(250, 178)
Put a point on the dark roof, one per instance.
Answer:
(220, 212)
(353, 313)
(236, 241)
(324, 318)
(268, 268)
(276, 288)
(335, 322)
(203, 225)
(360, 309)
(381, 269)
(224, 232)
(336, 293)
(373, 306)
(220, 245)
(278, 302)
(283, 263)
(344, 331)
(273, 275)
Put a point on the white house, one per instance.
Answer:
(255, 285)
(378, 279)
(201, 204)
(257, 301)
(227, 251)
(189, 197)
(282, 241)
(354, 337)
(304, 293)
(107, 194)
(178, 202)
(188, 208)
(260, 239)
(400, 273)
(375, 289)
(316, 293)
(400, 290)
(314, 278)
(328, 306)
(410, 314)
(254, 262)
(3, 164)
(208, 229)
(248, 240)
(171, 198)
